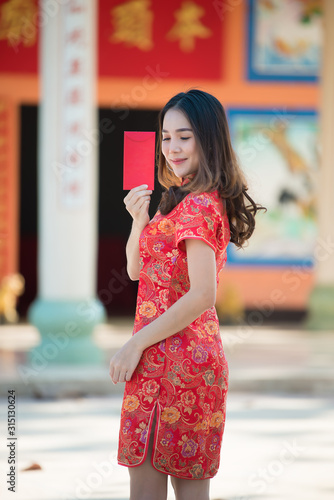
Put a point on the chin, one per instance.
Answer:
(182, 174)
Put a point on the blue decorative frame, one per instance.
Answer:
(251, 73)
(232, 259)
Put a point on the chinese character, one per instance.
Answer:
(188, 26)
(75, 66)
(76, 35)
(73, 159)
(74, 7)
(75, 127)
(16, 22)
(73, 188)
(75, 96)
(133, 24)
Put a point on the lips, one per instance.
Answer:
(177, 161)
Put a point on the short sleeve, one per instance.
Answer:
(198, 218)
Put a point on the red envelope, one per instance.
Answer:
(139, 159)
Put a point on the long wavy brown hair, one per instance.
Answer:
(218, 165)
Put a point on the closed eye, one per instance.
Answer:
(182, 138)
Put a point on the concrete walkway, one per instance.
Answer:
(278, 441)
(274, 448)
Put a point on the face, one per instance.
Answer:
(178, 144)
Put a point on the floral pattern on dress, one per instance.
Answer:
(185, 376)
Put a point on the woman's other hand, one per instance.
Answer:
(124, 362)
(137, 202)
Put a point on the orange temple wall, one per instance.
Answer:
(259, 287)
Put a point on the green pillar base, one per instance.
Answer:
(321, 309)
(66, 332)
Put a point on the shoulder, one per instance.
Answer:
(202, 203)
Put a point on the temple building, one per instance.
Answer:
(76, 74)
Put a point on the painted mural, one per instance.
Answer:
(285, 39)
(278, 151)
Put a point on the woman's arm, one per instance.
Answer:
(200, 297)
(132, 252)
(137, 202)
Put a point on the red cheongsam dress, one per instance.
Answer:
(185, 376)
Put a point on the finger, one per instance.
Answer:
(136, 202)
(140, 195)
(144, 208)
(111, 373)
(138, 188)
(142, 187)
(134, 208)
(135, 189)
(115, 377)
(140, 203)
(122, 376)
(134, 193)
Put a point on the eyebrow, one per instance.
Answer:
(180, 130)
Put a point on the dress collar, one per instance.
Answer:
(185, 180)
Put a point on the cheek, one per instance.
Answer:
(164, 148)
(193, 149)
(195, 156)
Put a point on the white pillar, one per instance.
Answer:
(67, 183)
(321, 306)
(68, 163)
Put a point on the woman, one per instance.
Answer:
(176, 374)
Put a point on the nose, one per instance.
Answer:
(174, 145)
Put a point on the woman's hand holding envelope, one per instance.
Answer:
(137, 202)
